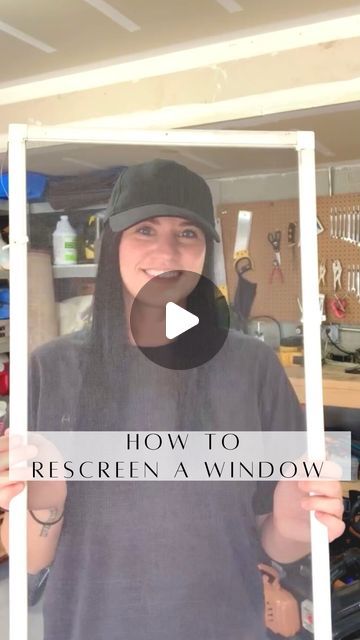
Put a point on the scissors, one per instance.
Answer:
(275, 240)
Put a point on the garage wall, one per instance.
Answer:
(280, 186)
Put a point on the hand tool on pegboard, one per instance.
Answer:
(319, 225)
(241, 256)
(338, 306)
(219, 262)
(292, 242)
(245, 290)
(337, 271)
(345, 225)
(275, 240)
(322, 274)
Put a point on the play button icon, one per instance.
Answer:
(178, 320)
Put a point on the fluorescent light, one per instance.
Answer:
(24, 37)
(113, 14)
(194, 156)
(325, 151)
(82, 163)
(230, 5)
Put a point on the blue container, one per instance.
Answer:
(4, 294)
(35, 186)
(4, 311)
(4, 303)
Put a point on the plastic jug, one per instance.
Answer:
(64, 242)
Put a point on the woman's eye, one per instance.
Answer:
(188, 233)
(145, 231)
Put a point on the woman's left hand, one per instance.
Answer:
(292, 504)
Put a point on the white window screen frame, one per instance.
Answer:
(303, 142)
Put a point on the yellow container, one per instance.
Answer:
(286, 355)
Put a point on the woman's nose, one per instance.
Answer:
(167, 245)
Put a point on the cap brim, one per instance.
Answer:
(125, 219)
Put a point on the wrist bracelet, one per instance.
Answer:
(46, 524)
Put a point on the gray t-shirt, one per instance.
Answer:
(161, 560)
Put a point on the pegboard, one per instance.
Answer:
(331, 249)
(280, 299)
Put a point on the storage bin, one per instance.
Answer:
(35, 185)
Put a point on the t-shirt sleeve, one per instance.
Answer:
(280, 411)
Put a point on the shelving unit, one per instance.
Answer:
(4, 346)
(75, 271)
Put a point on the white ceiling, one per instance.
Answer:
(42, 39)
(46, 37)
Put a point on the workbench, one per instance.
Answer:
(340, 389)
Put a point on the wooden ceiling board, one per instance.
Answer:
(84, 36)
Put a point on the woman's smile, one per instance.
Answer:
(166, 274)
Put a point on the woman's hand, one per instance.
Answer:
(42, 494)
(293, 503)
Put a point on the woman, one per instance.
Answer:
(161, 560)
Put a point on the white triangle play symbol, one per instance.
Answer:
(178, 320)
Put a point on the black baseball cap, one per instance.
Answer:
(160, 188)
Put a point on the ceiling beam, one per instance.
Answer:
(271, 43)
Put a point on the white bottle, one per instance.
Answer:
(64, 243)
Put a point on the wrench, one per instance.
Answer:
(348, 238)
(353, 236)
(348, 279)
(358, 283)
(353, 288)
(335, 223)
(331, 223)
(344, 226)
(346, 229)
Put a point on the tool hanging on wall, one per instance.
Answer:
(219, 262)
(292, 242)
(345, 225)
(245, 290)
(275, 241)
(338, 306)
(321, 307)
(322, 274)
(337, 271)
(241, 256)
(319, 225)
(353, 280)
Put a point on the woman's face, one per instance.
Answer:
(158, 246)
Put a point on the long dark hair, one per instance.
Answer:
(107, 352)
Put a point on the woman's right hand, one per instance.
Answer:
(42, 494)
